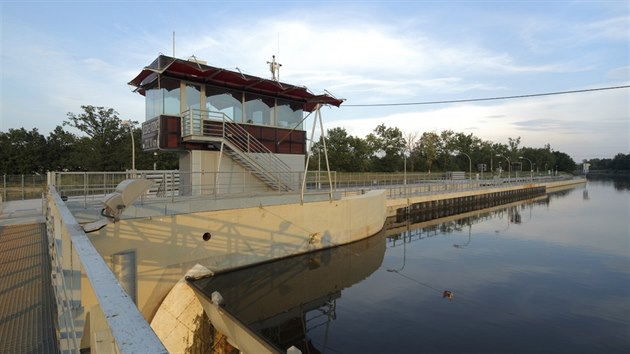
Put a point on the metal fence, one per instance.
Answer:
(21, 187)
(174, 184)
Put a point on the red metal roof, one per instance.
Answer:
(205, 74)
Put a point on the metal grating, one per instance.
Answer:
(27, 307)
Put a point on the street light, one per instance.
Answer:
(457, 152)
(531, 168)
(509, 165)
(404, 152)
(127, 123)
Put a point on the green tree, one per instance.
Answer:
(387, 145)
(411, 139)
(345, 152)
(621, 162)
(108, 143)
(427, 148)
(564, 162)
(61, 147)
(445, 149)
(23, 152)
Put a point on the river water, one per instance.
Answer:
(549, 275)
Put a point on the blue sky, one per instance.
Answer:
(59, 55)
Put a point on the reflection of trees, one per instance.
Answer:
(512, 214)
(620, 183)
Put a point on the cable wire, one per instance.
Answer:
(487, 98)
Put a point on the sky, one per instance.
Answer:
(56, 56)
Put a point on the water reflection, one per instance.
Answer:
(619, 182)
(284, 300)
(549, 274)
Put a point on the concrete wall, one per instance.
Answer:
(408, 198)
(168, 246)
(197, 173)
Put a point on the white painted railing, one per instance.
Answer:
(85, 287)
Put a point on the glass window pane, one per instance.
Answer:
(259, 110)
(153, 101)
(193, 97)
(224, 101)
(171, 94)
(289, 114)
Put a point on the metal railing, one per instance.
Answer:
(397, 189)
(115, 323)
(174, 186)
(256, 155)
(21, 187)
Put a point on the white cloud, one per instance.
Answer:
(575, 124)
(364, 56)
(611, 29)
(366, 59)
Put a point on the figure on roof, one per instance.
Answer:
(274, 67)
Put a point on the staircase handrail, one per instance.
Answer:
(239, 138)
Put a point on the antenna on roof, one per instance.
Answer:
(274, 67)
(173, 44)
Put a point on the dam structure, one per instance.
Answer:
(85, 278)
(124, 247)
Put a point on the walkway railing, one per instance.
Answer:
(400, 190)
(115, 323)
(174, 185)
(21, 187)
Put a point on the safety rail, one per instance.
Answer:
(435, 186)
(171, 184)
(250, 152)
(84, 285)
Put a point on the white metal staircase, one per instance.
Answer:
(236, 142)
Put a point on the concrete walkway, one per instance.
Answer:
(20, 212)
(27, 305)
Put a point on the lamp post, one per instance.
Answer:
(531, 167)
(128, 124)
(469, 163)
(404, 152)
(509, 165)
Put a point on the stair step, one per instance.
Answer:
(273, 180)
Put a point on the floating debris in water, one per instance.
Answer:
(447, 294)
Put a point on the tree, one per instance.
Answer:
(445, 149)
(564, 162)
(108, 145)
(542, 158)
(427, 148)
(345, 153)
(23, 152)
(339, 149)
(387, 145)
(61, 149)
(468, 144)
(411, 138)
(621, 162)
